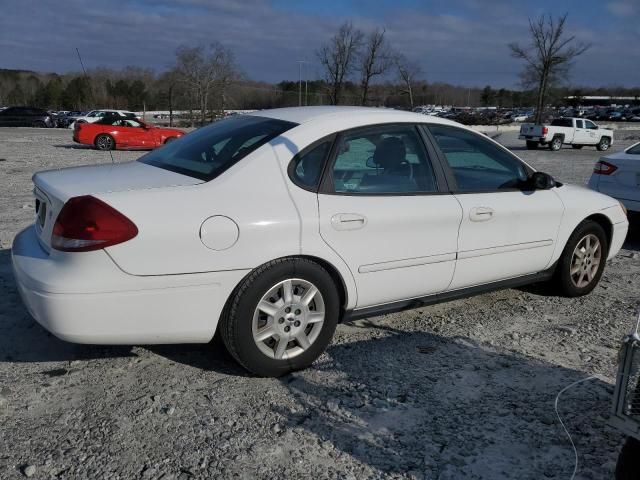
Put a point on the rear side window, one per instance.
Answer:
(477, 164)
(306, 167)
(211, 150)
(634, 150)
(382, 160)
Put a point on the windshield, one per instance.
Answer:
(211, 150)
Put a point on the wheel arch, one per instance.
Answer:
(605, 223)
(333, 272)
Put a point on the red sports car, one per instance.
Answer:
(123, 133)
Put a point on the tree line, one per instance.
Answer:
(357, 68)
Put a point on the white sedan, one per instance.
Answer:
(95, 115)
(274, 226)
(618, 175)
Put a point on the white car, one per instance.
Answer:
(95, 115)
(274, 226)
(618, 175)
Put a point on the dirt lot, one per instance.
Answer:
(459, 390)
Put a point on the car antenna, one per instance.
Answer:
(87, 77)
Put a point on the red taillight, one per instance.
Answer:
(86, 223)
(604, 168)
(545, 130)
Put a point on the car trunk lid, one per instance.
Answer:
(53, 188)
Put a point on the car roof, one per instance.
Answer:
(303, 115)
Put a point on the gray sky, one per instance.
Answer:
(457, 41)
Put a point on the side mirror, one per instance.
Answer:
(542, 181)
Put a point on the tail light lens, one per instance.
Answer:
(604, 168)
(86, 223)
(545, 130)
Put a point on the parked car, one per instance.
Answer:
(25, 117)
(626, 406)
(115, 132)
(576, 132)
(95, 115)
(273, 226)
(618, 175)
(64, 121)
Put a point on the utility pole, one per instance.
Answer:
(300, 62)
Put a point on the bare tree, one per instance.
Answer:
(408, 73)
(338, 56)
(203, 70)
(375, 60)
(548, 57)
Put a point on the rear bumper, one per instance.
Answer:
(87, 299)
(530, 138)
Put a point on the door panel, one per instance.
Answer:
(518, 238)
(507, 229)
(404, 248)
(384, 214)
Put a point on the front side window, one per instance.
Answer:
(383, 160)
(590, 125)
(210, 150)
(477, 164)
(306, 167)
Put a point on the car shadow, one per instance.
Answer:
(74, 147)
(415, 404)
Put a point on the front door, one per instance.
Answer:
(508, 230)
(384, 210)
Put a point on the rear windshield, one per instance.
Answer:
(209, 151)
(562, 122)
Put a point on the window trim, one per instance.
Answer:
(451, 179)
(291, 168)
(327, 186)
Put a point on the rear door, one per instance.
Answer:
(385, 209)
(507, 230)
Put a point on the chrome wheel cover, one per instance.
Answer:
(585, 261)
(288, 319)
(104, 142)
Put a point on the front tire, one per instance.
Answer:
(532, 145)
(582, 261)
(604, 144)
(281, 317)
(104, 142)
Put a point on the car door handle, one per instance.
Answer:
(348, 221)
(481, 214)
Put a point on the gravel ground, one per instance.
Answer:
(459, 390)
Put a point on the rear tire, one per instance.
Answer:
(582, 261)
(104, 142)
(254, 335)
(577, 147)
(532, 145)
(555, 144)
(604, 144)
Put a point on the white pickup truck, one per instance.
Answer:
(576, 132)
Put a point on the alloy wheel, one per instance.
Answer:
(288, 318)
(585, 261)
